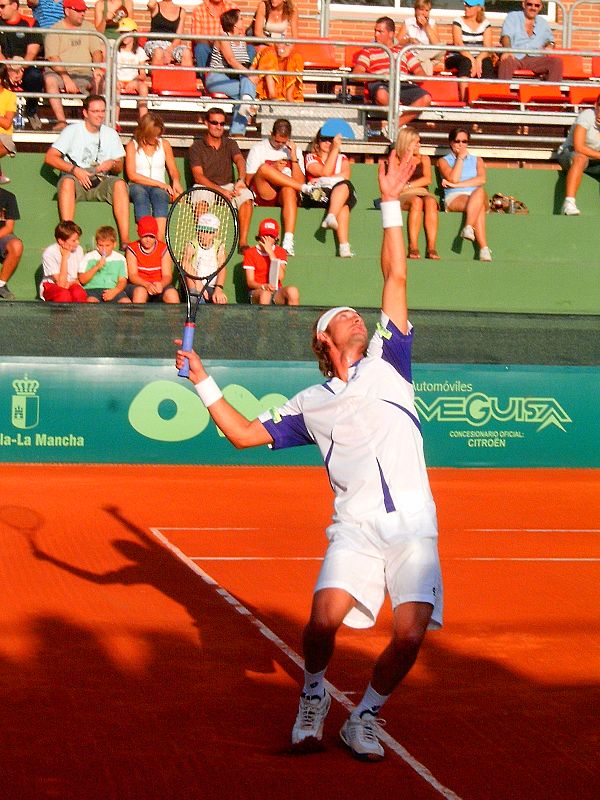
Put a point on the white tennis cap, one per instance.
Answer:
(208, 222)
(326, 318)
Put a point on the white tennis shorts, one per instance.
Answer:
(360, 562)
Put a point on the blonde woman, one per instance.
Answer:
(276, 18)
(421, 205)
(421, 29)
(471, 30)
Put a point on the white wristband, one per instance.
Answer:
(391, 214)
(208, 391)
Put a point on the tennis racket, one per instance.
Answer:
(202, 235)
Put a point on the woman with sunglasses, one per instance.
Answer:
(463, 180)
(327, 168)
(471, 30)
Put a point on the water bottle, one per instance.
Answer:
(19, 119)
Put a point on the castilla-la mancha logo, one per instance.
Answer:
(25, 403)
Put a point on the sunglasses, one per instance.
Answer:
(533, 5)
(461, 141)
(214, 122)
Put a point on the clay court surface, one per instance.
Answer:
(151, 622)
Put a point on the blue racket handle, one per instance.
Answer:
(187, 342)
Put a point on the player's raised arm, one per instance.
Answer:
(393, 176)
(240, 431)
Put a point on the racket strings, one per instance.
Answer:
(201, 252)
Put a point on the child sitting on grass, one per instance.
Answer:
(104, 270)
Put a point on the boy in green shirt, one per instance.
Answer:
(104, 270)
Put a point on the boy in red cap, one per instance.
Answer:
(265, 267)
(149, 266)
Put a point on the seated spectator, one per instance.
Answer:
(149, 266)
(421, 205)
(421, 29)
(90, 156)
(580, 153)
(46, 12)
(206, 21)
(373, 60)
(8, 109)
(67, 44)
(276, 18)
(131, 75)
(525, 30)
(235, 56)
(167, 17)
(104, 270)
(205, 262)
(212, 159)
(109, 13)
(471, 30)
(148, 159)
(279, 57)
(463, 179)
(62, 264)
(23, 47)
(275, 173)
(264, 261)
(11, 247)
(327, 168)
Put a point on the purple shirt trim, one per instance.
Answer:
(290, 431)
(397, 350)
(408, 413)
(387, 497)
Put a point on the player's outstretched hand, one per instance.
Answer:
(197, 371)
(394, 174)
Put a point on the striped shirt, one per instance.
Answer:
(472, 38)
(240, 53)
(375, 60)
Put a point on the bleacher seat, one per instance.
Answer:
(540, 95)
(573, 67)
(443, 92)
(498, 95)
(596, 66)
(175, 83)
(584, 95)
(317, 56)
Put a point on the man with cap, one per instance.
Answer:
(203, 258)
(526, 31)
(69, 43)
(383, 538)
(149, 266)
(265, 267)
(212, 159)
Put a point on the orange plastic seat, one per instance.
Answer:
(584, 95)
(176, 83)
(573, 67)
(317, 56)
(481, 92)
(540, 94)
(443, 93)
(596, 66)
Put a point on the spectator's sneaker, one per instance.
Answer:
(330, 222)
(360, 735)
(288, 244)
(35, 121)
(6, 294)
(485, 254)
(308, 726)
(247, 110)
(316, 194)
(468, 233)
(345, 251)
(569, 208)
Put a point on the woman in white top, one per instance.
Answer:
(471, 30)
(276, 18)
(147, 157)
(421, 29)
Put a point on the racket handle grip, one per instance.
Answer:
(187, 342)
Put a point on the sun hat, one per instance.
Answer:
(209, 223)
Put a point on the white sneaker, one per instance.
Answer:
(311, 718)
(288, 243)
(360, 735)
(468, 233)
(485, 254)
(345, 251)
(331, 222)
(569, 208)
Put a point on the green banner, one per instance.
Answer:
(124, 411)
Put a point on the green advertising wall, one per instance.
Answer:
(138, 411)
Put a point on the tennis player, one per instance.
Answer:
(383, 537)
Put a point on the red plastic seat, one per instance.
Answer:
(539, 94)
(584, 95)
(596, 66)
(443, 93)
(317, 56)
(573, 67)
(494, 93)
(175, 83)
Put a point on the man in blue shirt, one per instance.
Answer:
(525, 29)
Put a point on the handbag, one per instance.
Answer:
(507, 204)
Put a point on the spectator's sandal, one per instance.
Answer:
(433, 254)
(413, 253)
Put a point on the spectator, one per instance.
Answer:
(463, 179)
(279, 57)
(580, 153)
(276, 18)
(131, 77)
(147, 156)
(26, 47)
(206, 21)
(149, 266)
(525, 29)
(262, 263)
(104, 271)
(212, 159)
(421, 205)
(8, 109)
(373, 60)
(11, 247)
(471, 30)
(166, 17)
(46, 12)
(90, 156)
(109, 13)
(421, 29)
(329, 169)
(69, 43)
(275, 173)
(238, 86)
(206, 262)
(62, 264)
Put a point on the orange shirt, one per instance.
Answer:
(204, 22)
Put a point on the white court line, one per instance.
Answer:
(391, 743)
(533, 530)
